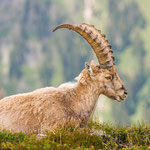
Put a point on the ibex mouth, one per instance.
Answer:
(120, 99)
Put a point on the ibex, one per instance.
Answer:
(50, 108)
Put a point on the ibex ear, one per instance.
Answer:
(88, 68)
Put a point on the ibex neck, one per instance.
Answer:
(87, 98)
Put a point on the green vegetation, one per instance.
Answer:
(95, 136)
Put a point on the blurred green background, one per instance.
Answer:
(31, 56)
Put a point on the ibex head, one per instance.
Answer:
(108, 79)
(105, 73)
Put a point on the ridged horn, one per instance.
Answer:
(96, 40)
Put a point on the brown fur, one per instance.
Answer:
(51, 108)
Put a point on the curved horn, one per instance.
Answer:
(97, 41)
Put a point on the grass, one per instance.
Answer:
(95, 136)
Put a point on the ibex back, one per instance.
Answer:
(50, 108)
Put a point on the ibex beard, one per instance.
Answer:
(71, 103)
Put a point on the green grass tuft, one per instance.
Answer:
(95, 136)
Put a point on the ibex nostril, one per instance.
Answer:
(126, 92)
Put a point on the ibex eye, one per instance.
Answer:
(108, 77)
